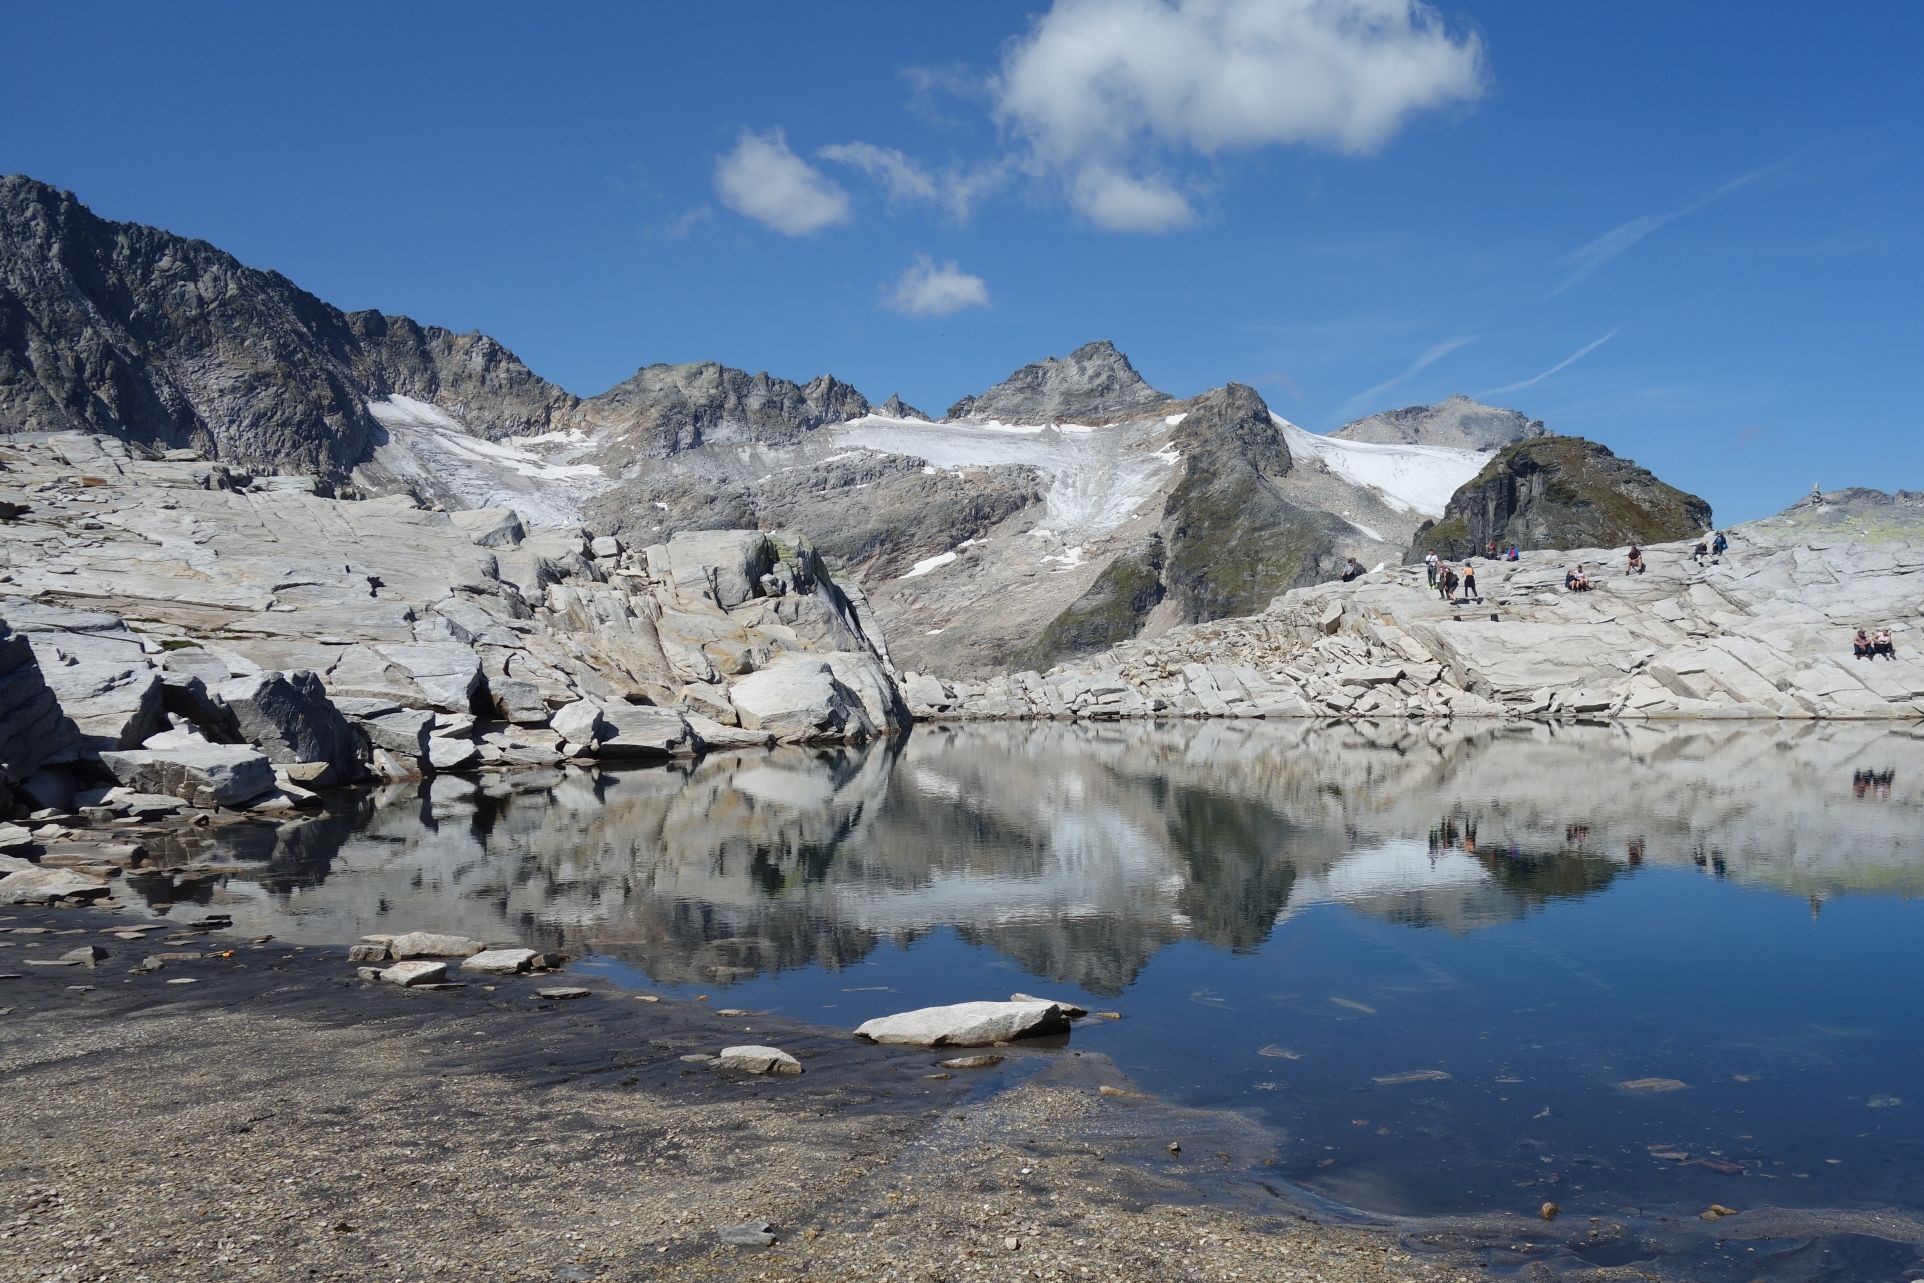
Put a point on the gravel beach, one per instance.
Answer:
(278, 1118)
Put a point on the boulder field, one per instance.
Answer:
(179, 628)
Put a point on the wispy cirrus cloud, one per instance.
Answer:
(1583, 262)
(1368, 397)
(906, 181)
(1558, 368)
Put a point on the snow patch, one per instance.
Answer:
(928, 564)
(430, 447)
(1409, 478)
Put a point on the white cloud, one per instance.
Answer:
(1558, 368)
(1101, 91)
(769, 183)
(1428, 357)
(1118, 202)
(929, 288)
(1624, 235)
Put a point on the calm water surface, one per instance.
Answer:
(1431, 960)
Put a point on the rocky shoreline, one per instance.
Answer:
(254, 1111)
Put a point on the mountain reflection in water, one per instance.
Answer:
(1621, 968)
(1080, 851)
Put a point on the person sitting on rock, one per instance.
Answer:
(1636, 560)
(1489, 550)
(1882, 644)
(1701, 551)
(1719, 545)
(1862, 647)
(1516, 553)
(1469, 583)
(1353, 570)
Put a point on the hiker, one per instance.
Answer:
(1489, 550)
(1469, 583)
(1516, 553)
(1576, 580)
(1354, 570)
(1862, 647)
(1882, 644)
(1701, 551)
(1719, 546)
(1447, 587)
(1430, 564)
(1636, 560)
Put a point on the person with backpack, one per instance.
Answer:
(1431, 566)
(1446, 588)
(1719, 545)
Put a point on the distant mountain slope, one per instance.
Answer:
(1456, 422)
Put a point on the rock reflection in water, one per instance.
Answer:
(1079, 851)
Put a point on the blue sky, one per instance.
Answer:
(1690, 231)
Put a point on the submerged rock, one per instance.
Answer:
(758, 1060)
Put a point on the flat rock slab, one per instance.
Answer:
(411, 974)
(758, 1060)
(752, 1234)
(967, 1024)
(32, 886)
(562, 993)
(501, 962)
(430, 944)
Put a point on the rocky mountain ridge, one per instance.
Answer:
(1068, 507)
(1455, 421)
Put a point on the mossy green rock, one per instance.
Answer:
(1561, 492)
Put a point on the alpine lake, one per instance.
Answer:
(1454, 975)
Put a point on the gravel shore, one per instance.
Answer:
(279, 1119)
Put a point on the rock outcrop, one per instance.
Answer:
(1763, 632)
(1561, 492)
(335, 635)
(1456, 422)
(1093, 384)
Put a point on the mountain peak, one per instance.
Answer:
(1458, 421)
(1093, 384)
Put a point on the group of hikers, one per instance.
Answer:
(1446, 581)
(1868, 645)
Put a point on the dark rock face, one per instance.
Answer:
(159, 339)
(665, 409)
(1112, 610)
(1234, 540)
(1456, 421)
(1093, 384)
(1229, 540)
(1562, 492)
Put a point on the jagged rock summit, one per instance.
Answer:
(1456, 422)
(1093, 384)
(1561, 492)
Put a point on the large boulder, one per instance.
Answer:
(966, 1024)
(729, 564)
(96, 668)
(32, 729)
(289, 717)
(38, 885)
(798, 699)
(627, 730)
(185, 766)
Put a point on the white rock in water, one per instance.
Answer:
(966, 1024)
(502, 962)
(409, 974)
(798, 700)
(452, 754)
(758, 1060)
(428, 944)
(31, 886)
